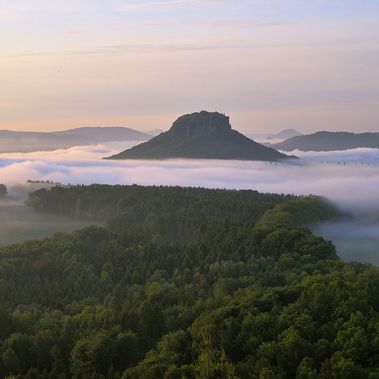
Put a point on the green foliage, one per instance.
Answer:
(185, 283)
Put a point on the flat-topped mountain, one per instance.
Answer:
(202, 135)
(329, 141)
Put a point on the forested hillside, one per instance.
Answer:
(185, 283)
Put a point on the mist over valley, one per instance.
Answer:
(20, 223)
(340, 176)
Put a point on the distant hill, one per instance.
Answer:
(285, 134)
(202, 135)
(106, 134)
(14, 141)
(329, 141)
(282, 135)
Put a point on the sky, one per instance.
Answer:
(269, 64)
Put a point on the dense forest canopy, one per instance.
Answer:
(186, 283)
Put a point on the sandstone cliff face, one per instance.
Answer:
(202, 123)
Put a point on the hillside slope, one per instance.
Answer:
(202, 135)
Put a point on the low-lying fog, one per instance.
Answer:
(355, 240)
(20, 223)
(349, 178)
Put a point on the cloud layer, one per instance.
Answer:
(349, 178)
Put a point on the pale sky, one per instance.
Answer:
(269, 64)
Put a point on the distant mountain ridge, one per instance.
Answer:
(281, 135)
(329, 141)
(201, 135)
(17, 141)
(98, 134)
(286, 133)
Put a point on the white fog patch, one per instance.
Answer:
(349, 178)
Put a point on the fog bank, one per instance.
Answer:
(350, 179)
(355, 240)
(20, 223)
